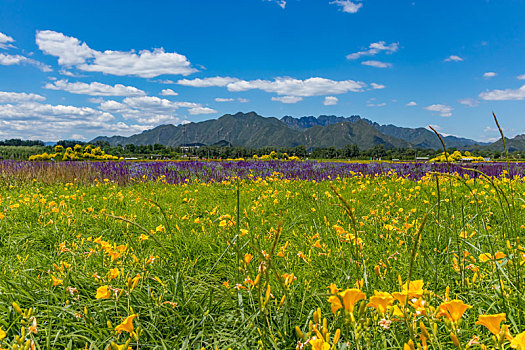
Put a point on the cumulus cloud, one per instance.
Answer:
(330, 101)
(35, 120)
(411, 104)
(370, 104)
(17, 97)
(147, 64)
(377, 64)
(443, 110)
(94, 88)
(208, 82)
(152, 109)
(377, 86)
(168, 92)
(9, 60)
(347, 5)
(453, 58)
(287, 99)
(470, 102)
(374, 49)
(220, 99)
(489, 75)
(285, 86)
(281, 3)
(201, 110)
(5, 41)
(504, 95)
(521, 77)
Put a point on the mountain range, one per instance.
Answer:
(254, 131)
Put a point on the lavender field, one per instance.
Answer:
(176, 172)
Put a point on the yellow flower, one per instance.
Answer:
(103, 293)
(414, 288)
(2, 334)
(247, 258)
(492, 322)
(56, 281)
(333, 288)
(126, 325)
(518, 342)
(349, 296)
(319, 344)
(114, 273)
(160, 228)
(380, 301)
(453, 310)
(143, 237)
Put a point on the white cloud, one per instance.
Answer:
(382, 104)
(97, 100)
(330, 100)
(201, 110)
(147, 64)
(489, 75)
(219, 99)
(411, 104)
(377, 86)
(443, 110)
(78, 137)
(164, 81)
(377, 64)
(287, 99)
(470, 102)
(521, 77)
(70, 74)
(152, 110)
(94, 89)
(503, 95)
(208, 82)
(9, 60)
(453, 58)
(347, 5)
(5, 41)
(281, 3)
(52, 122)
(168, 92)
(243, 100)
(17, 97)
(285, 86)
(374, 49)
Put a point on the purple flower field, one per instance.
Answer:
(181, 171)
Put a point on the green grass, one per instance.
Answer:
(288, 227)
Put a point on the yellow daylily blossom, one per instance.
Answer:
(518, 342)
(380, 301)
(453, 310)
(492, 322)
(2, 334)
(127, 324)
(103, 292)
(349, 296)
(319, 344)
(414, 288)
(56, 281)
(114, 273)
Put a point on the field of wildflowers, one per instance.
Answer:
(261, 254)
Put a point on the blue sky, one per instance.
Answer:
(79, 69)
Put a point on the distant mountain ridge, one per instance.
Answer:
(418, 137)
(255, 131)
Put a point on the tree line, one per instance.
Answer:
(22, 149)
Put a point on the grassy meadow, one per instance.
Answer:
(364, 262)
